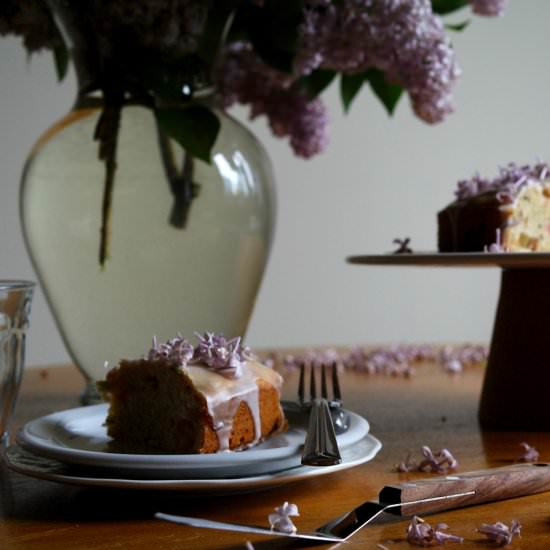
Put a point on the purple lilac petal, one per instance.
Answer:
(280, 520)
(421, 533)
(530, 454)
(500, 533)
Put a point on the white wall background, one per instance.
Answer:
(381, 178)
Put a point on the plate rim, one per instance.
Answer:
(212, 485)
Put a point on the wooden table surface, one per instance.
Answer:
(431, 408)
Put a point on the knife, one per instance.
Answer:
(421, 496)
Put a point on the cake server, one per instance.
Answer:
(410, 498)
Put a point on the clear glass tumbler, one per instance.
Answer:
(15, 307)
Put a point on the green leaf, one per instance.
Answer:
(61, 59)
(194, 127)
(317, 81)
(443, 7)
(458, 27)
(350, 84)
(388, 93)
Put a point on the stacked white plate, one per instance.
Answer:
(72, 446)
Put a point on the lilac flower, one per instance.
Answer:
(32, 21)
(177, 349)
(530, 453)
(439, 462)
(402, 38)
(403, 246)
(489, 8)
(421, 533)
(249, 545)
(280, 519)
(167, 26)
(500, 533)
(242, 77)
(226, 357)
(509, 182)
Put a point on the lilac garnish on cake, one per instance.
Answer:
(214, 351)
(421, 533)
(280, 520)
(509, 182)
(227, 357)
(177, 349)
(500, 532)
(530, 454)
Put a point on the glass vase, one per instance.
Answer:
(158, 279)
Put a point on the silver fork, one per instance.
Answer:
(320, 446)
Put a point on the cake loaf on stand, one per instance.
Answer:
(510, 213)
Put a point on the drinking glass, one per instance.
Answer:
(15, 307)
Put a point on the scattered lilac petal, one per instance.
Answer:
(248, 545)
(421, 533)
(530, 454)
(500, 533)
(440, 462)
(280, 519)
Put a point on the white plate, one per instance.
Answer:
(457, 259)
(78, 436)
(29, 464)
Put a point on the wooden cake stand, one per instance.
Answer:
(516, 387)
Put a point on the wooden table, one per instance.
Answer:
(431, 408)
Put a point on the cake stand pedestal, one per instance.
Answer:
(516, 388)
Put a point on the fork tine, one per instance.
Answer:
(324, 392)
(301, 384)
(312, 390)
(335, 383)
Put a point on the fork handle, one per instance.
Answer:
(320, 446)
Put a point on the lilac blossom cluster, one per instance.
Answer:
(224, 356)
(438, 463)
(402, 38)
(32, 21)
(388, 361)
(421, 533)
(177, 350)
(500, 532)
(242, 77)
(173, 26)
(509, 182)
(280, 520)
(227, 357)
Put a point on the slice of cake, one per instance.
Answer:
(509, 213)
(184, 399)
